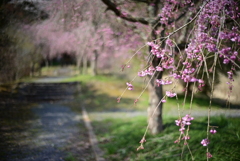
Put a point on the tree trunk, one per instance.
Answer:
(85, 67)
(155, 92)
(32, 69)
(94, 63)
(155, 109)
(79, 63)
(46, 63)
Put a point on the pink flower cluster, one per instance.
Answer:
(163, 54)
(130, 86)
(232, 35)
(207, 38)
(213, 131)
(149, 71)
(170, 94)
(187, 75)
(156, 50)
(186, 120)
(205, 142)
(227, 55)
(168, 11)
(163, 82)
(169, 42)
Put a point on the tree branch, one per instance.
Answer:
(124, 15)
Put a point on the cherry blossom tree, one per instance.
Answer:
(190, 40)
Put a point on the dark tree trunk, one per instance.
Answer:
(94, 63)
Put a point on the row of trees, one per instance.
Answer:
(81, 29)
(49, 29)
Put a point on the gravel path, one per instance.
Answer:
(47, 131)
(51, 133)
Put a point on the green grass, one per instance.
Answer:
(119, 138)
(101, 93)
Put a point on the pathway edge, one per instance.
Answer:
(92, 137)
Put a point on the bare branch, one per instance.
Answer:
(124, 15)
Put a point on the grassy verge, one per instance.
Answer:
(101, 92)
(119, 138)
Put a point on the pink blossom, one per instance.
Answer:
(169, 42)
(130, 86)
(200, 81)
(186, 138)
(141, 74)
(178, 122)
(188, 118)
(205, 142)
(163, 82)
(170, 94)
(158, 68)
(151, 68)
(213, 131)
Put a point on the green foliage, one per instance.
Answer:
(121, 136)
